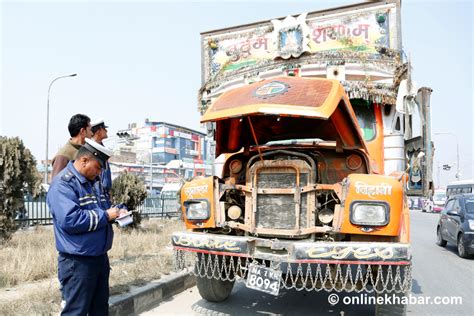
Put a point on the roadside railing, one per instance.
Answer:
(160, 207)
(36, 211)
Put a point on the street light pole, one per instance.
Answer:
(151, 166)
(47, 127)
(458, 173)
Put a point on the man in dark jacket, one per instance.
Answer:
(79, 128)
(83, 232)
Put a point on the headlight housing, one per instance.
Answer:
(471, 224)
(197, 209)
(370, 213)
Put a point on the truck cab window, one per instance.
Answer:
(364, 112)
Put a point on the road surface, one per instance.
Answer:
(437, 272)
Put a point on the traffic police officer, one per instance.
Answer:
(99, 133)
(83, 232)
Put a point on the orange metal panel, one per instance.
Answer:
(310, 97)
(199, 189)
(363, 187)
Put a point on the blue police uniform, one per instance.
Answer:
(83, 236)
(104, 185)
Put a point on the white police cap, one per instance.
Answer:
(96, 125)
(101, 153)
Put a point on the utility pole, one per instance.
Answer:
(458, 172)
(151, 165)
(439, 184)
(47, 126)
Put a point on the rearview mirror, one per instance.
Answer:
(453, 213)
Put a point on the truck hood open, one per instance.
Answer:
(284, 108)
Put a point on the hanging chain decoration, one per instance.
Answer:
(303, 276)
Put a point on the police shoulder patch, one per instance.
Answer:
(67, 176)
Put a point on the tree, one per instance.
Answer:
(18, 176)
(128, 189)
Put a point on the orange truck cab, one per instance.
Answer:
(313, 187)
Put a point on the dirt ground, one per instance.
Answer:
(28, 265)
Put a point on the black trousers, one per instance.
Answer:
(84, 284)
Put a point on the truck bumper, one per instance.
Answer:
(375, 253)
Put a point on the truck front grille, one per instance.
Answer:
(278, 206)
(278, 211)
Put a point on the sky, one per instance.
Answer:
(138, 60)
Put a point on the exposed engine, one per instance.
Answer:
(284, 193)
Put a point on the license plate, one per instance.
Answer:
(263, 279)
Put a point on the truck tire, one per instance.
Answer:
(439, 240)
(391, 309)
(214, 290)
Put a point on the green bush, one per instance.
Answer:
(128, 189)
(18, 176)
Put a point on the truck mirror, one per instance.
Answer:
(210, 129)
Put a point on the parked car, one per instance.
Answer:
(456, 224)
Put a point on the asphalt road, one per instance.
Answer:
(437, 272)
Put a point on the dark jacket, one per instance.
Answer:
(67, 153)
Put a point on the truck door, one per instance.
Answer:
(420, 176)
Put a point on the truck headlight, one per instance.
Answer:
(370, 213)
(197, 209)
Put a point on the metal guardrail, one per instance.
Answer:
(160, 207)
(36, 211)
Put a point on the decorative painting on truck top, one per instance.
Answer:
(334, 36)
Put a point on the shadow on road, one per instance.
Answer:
(415, 287)
(244, 301)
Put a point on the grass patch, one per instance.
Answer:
(30, 258)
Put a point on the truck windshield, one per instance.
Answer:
(364, 112)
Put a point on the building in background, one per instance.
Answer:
(40, 167)
(160, 153)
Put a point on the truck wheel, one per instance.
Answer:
(213, 290)
(391, 309)
(461, 248)
(439, 240)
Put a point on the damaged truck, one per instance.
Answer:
(323, 135)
